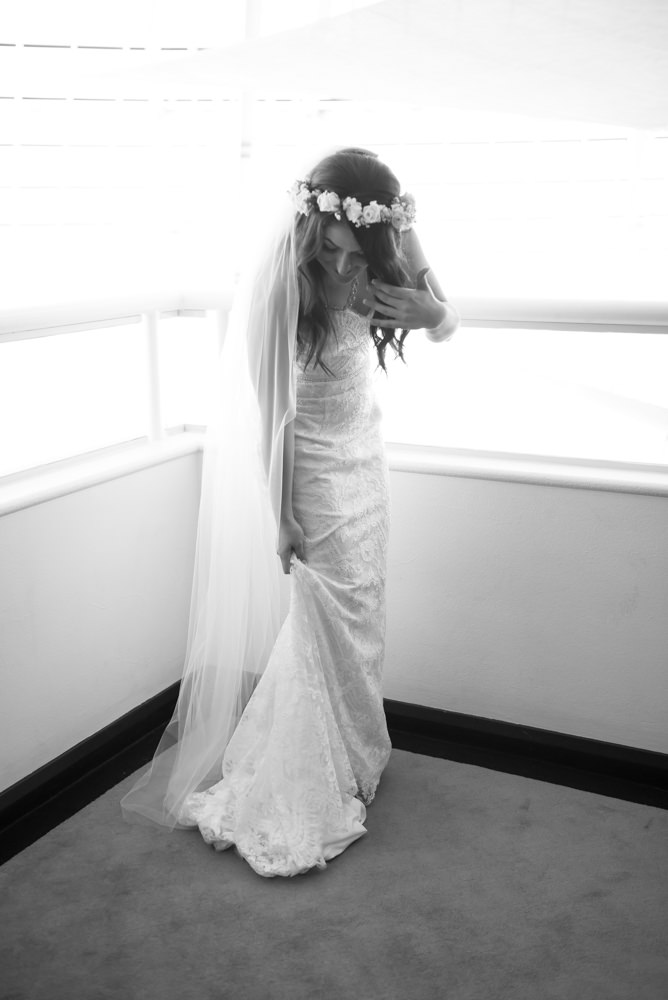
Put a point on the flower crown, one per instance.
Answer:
(400, 213)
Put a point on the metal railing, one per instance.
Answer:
(59, 320)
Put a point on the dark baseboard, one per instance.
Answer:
(577, 762)
(39, 802)
(54, 792)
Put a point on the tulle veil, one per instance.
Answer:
(234, 614)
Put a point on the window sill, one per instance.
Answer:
(48, 482)
(539, 470)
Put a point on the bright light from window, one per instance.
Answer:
(69, 394)
(106, 192)
(576, 394)
(188, 353)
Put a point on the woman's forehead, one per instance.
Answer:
(339, 233)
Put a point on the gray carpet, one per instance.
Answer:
(470, 885)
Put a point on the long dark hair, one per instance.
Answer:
(360, 174)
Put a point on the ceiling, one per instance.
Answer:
(599, 61)
(591, 60)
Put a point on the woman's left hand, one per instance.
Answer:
(405, 308)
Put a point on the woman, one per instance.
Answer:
(293, 720)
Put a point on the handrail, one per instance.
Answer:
(68, 317)
(622, 316)
(38, 485)
(573, 314)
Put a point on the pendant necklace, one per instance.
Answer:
(352, 294)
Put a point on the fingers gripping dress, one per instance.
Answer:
(308, 752)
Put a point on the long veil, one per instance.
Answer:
(234, 614)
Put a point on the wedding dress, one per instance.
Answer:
(308, 751)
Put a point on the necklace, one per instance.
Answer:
(351, 297)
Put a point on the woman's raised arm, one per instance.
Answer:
(424, 307)
(426, 280)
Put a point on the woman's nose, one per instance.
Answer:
(343, 263)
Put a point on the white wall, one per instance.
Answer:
(94, 592)
(538, 605)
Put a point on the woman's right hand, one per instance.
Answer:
(290, 539)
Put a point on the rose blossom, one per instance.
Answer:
(329, 201)
(353, 209)
(301, 199)
(371, 213)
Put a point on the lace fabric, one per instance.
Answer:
(279, 738)
(310, 747)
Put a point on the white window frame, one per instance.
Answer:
(33, 486)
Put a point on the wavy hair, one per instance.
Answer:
(360, 174)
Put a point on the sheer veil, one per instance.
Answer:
(234, 613)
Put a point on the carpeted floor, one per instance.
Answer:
(470, 885)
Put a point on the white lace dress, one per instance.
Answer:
(312, 743)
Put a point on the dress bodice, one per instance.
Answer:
(346, 351)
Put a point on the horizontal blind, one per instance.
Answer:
(104, 192)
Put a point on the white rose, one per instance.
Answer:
(353, 209)
(302, 201)
(329, 201)
(371, 213)
(402, 216)
(403, 212)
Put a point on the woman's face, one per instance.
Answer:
(340, 256)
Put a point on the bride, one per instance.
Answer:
(279, 739)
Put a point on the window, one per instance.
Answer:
(577, 394)
(118, 186)
(69, 394)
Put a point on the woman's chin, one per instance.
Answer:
(340, 280)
